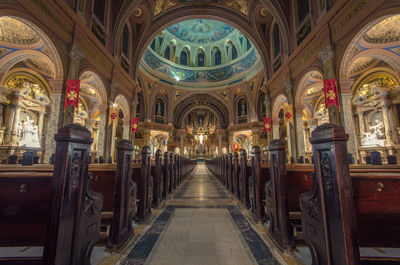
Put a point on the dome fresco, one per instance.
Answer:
(201, 51)
(201, 30)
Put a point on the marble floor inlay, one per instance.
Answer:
(201, 226)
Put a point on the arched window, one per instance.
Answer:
(217, 57)
(277, 40)
(99, 7)
(184, 57)
(303, 8)
(167, 53)
(234, 52)
(201, 59)
(248, 44)
(125, 40)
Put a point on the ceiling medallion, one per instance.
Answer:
(264, 12)
(137, 12)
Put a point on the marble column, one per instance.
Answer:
(7, 137)
(52, 126)
(327, 57)
(349, 124)
(255, 136)
(101, 137)
(126, 128)
(219, 144)
(386, 121)
(17, 114)
(300, 134)
(182, 137)
(275, 128)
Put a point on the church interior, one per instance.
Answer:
(199, 132)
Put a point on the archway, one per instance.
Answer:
(29, 65)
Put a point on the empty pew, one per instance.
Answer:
(66, 195)
(342, 213)
(166, 176)
(142, 176)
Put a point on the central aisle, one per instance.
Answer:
(201, 225)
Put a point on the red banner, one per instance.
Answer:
(135, 125)
(331, 94)
(72, 93)
(113, 115)
(267, 124)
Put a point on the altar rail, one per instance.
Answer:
(337, 207)
(63, 207)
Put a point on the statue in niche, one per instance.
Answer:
(28, 133)
(201, 121)
(374, 138)
(242, 106)
(159, 107)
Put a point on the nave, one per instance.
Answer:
(200, 225)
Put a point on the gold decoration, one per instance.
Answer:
(72, 95)
(16, 32)
(386, 31)
(264, 12)
(161, 6)
(239, 5)
(137, 12)
(331, 95)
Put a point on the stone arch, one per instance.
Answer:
(91, 80)
(308, 81)
(122, 102)
(22, 52)
(200, 100)
(353, 50)
(278, 104)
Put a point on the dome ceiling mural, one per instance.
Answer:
(200, 30)
(201, 53)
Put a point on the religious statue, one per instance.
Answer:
(374, 138)
(158, 107)
(243, 108)
(28, 134)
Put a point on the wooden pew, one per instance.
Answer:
(340, 213)
(43, 203)
(24, 207)
(245, 171)
(277, 203)
(256, 185)
(156, 172)
(235, 176)
(166, 176)
(142, 176)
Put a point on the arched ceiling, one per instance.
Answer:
(203, 101)
(200, 31)
(238, 57)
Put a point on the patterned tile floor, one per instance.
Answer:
(200, 225)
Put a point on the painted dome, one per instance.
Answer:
(201, 53)
(200, 30)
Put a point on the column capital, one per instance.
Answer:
(326, 54)
(346, 85)
(76, 54)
